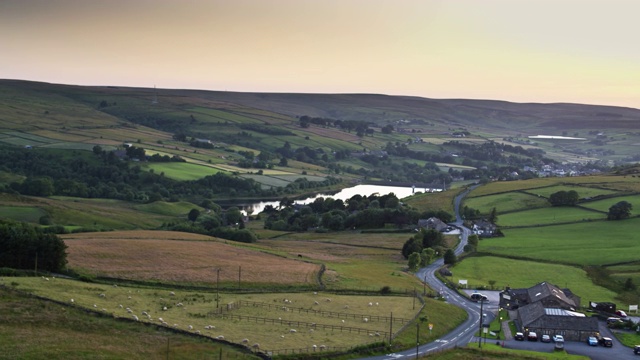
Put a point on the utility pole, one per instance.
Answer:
(417, 339)
(424, 285)
(481, 323)
(218, 288)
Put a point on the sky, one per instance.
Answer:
(543, 51)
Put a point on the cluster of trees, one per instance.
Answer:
(102, 175)
(361, 127)
(564, 198)
(227, 224)
(23, 246)
(425, 246)
(620, 210)
(358, 212)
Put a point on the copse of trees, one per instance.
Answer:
(619, 211)
(24, 246)
(564, 198)
(422, 240)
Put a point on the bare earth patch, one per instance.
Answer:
(179, 257)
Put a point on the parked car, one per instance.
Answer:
(636, 350)
(558, 338)
(605, 341)
(621, 313)
(478, 297)
(613, 320)
(519, 336)
(545, 338)
(532, 336)
(592, 341)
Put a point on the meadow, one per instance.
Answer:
(37, 329)
(548, 216)
(479, 270)
(585, 243)
(506, 202)
(605, 204)
(181, 170)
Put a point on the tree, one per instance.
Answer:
(619, 211)
(193, 215)
(22, 245)
(450, 257)
(414, 261)
(564, 198)
(493, 216)
(427, 256)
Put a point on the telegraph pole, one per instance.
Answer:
(481, 323)
(218, 288)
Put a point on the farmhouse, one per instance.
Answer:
(484, 228)
(547, 294)
(432, 223)
(554, 321)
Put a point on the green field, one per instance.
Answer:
(583, 191)
(177, 209)
(22, 213)
(506, 202)
(181, 170)
(604, 205)
(548, 215)
(587, 243)
(478, 270)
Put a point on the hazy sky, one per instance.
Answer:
(583, 51)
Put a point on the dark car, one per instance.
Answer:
(519, 336)
(545, 338)
(636, 349)
(532, 336)
(605, 341)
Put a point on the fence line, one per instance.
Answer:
(295, 323)
(237, 305)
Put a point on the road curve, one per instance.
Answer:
(462, 334)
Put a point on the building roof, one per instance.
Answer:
(537, 316)
(544, 290)
(432, 223)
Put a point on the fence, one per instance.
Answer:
(341, 315)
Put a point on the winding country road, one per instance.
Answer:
(464, 333)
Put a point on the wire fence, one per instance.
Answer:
(341, 315)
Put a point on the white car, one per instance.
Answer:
(558, 338)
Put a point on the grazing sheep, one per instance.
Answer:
(72, 301)
(209, 327)
(245, 341)
(172, 293)
(346, 306)
(179, 304)
(129, 297)
(102, 295)
(255, 346)
(103, 309)
(220, 337)
(282, 336)
(114, 285)
(377, 334)
(322, 347)
(328, 300)
(311, 330)
(365, 320)
(292, 331)
(343, 321)
(315, 293)
(377, 304)
(160, 319)
(120, 306)
(135, 318)
(164, 308)
(198, 332)
(145, 313)
(190, 327)
(370, 304)
(316, 303)
(46, 279)
(175, 325)
(314, 347)
(165, 323)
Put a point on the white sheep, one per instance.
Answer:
(220, 337)
(46, 279)
(370, 304)
(145, 313)
(160, 319)
(190, 327)
(346, 306)
(129, 297)
(343, 321)
(172, 293)
(114, 285)
(198, 332)
(292, 331)
(377, 334)
(120, 306)
(245, 341)
(315, 293)
(135, 318)
(322, 347)
(314, 347)
(316, 303)
(102, 295)
(256, 346)
(72, 301)
(328, 300)
(164, 308)
(377, 304)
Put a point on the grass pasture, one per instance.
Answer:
(182, 258)
(506, 202)
(548, 216)
(22, 213)
(598, 243)
(181, 170)
(177, 209)
(38, 329)
(583, 191)
(605, 204)
(478, 270)
(267, 319)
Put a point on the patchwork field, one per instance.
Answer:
(181, 258)
(506, 202)
(479, 270)
(549, 215)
